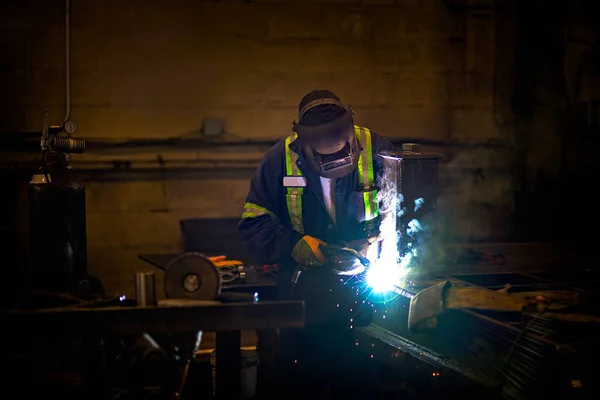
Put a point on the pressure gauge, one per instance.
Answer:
(70, 126)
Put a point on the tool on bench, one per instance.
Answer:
(192, 276)
(230, 270)
(197, 277)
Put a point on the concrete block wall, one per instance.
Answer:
(156, 69)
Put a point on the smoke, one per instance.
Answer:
(414, 227)
(476, 198)
(391, 263)
(419, 203)
(474, 203)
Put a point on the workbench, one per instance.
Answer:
(227, 320)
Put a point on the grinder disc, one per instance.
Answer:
(192, 276)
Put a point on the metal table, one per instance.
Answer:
(514, 354)
(227, 320)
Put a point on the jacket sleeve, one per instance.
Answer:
(262, 229)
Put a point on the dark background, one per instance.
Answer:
(507, 91)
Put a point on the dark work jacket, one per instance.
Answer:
(271, 239)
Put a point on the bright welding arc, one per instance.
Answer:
(391, 262)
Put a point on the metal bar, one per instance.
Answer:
(145, 288)
(157, 319)
(517, 330)
(398, 343)
(158, 260)
(548, 281)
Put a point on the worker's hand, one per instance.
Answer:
(308, 251)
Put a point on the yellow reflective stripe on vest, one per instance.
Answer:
(252, 210)
(294, 194)
(366, 174)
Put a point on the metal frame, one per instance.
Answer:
(509, 353)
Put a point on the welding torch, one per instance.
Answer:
(340, 250)
(341, 260)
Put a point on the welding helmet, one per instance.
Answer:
(325, 131)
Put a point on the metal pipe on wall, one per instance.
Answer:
(27, 141)
(67, 61)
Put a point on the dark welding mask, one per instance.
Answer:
(331, 148)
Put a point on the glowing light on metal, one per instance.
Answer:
(392, 261)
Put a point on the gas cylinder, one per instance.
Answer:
(57, 226)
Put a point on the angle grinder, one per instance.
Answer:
(192, 276)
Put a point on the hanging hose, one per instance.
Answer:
(67, 61)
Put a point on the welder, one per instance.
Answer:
(313, 191)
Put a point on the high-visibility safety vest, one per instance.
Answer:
(366, 177)
(294, 192)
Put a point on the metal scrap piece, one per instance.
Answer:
(426, 305)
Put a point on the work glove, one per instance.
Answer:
(308, 251)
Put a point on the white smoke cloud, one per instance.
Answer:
(476, 196)
(419, 203)
(414, 227)
(389, 266)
